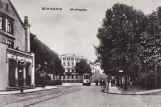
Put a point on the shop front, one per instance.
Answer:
(20, 68)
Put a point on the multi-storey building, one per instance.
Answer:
(69, 62)
(96, 72)
(16, 60)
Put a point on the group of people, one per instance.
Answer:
(102, 83)
(42, 71)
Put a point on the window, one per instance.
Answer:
(76, 76)
(72, 76)
(64, 58)
(68, 70)
(72, 63)
(86, 77)
(64, 64)
(1, 22)
(10, 27)
(63, 76)
(68, 64)
(72, 70)
(68, 58)
(6, 7)
(10, 44)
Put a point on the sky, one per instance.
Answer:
(72, 31)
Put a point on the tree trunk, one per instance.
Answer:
(139, 74)
(59, 77)
(117, 80)
(146, 79)
(121, 79)
(155, 77)
(125, 87)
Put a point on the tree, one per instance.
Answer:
(151, 43)
(43, 54)
(119, 35)
(83, 67)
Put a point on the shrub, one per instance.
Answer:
(54, 82)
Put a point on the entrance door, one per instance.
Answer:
(12, 66)
(20, 76)
(28, 74)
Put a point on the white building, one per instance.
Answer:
(69, 62)
(96, 71)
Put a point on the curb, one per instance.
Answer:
(37, 97)
(60, 86)
(152, 93)
(26, 92)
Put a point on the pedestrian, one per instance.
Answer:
(42, 75)
(103, 84)
(96, 82)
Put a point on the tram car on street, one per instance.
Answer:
(86, 79)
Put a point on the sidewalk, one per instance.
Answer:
(34, 89)
(115, 90)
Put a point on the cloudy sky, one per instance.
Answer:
(72, 31)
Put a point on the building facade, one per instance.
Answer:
(16, 60)
(69, 62)
(96, 72)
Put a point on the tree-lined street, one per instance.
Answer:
(78, 96)
(32, 98)
(51, 67)
(129, 40)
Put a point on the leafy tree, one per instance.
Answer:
(151, 39)
(119, 38)
(43, 54)
(83, 67)
(151, 43)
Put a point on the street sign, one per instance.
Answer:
(120, 70)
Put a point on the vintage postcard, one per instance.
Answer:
(80, 53)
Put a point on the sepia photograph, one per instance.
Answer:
(80, 53)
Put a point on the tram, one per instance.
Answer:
(86, 79)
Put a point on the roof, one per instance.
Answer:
(16, 13)
(77, 57)
(68, 54)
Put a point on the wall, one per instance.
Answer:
(3, 67)
(19, 31)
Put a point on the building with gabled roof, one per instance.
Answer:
(16, 61)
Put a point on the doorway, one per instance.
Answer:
(20, 75)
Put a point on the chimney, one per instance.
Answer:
(27, 34)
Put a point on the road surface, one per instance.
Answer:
(79, 96)
(91, 96)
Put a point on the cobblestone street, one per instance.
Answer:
(152, 100)
(93, 97)
(25, 99)
(78, 96)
